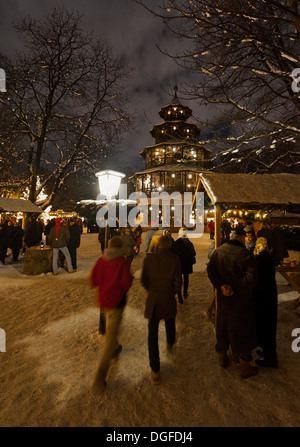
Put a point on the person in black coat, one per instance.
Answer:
(48, 226)
(74, 241)
(16, 240)
(4, 240)
(185, 250)
(232, 272)
(32, 233)
(266, 302)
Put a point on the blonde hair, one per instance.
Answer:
(154, 243)
(263, 242)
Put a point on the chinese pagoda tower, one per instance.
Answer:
(174, 162)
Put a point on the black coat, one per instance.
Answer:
(266, 301)
(4, 236)
(75, 235)
(232, 264)
(16, 237)
(184, 249)
(32, 234)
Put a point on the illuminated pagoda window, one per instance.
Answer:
(175, 160)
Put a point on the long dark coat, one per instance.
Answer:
(161, 276)
(32, 234)
(75, 236)
(16, 237)
(232, 264)
(4, 236)
(185, 250)
(266, 301)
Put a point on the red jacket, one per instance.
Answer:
(111, 274)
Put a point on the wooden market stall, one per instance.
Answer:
(8, 205)
(37, 260)
(250, 191)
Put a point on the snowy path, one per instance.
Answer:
(52, 348)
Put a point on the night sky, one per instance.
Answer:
(133, 33)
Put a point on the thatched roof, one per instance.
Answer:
(18, 205)
(254, 189)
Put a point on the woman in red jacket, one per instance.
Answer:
(111, 274)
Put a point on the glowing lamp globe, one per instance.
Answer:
(109, 182)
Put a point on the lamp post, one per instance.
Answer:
(109, 184)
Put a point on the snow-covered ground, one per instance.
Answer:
(53, 345)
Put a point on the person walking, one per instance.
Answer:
(74, 241)
(266, 303)
(58, 239)
(185, 250)
(130, 243)
(152, 229)
(161, 277)
(111, 275)
(232, 272)
(211, 226)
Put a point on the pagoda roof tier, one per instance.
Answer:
(173, 142)
(180, 123)
(175, 109)
(178, 167)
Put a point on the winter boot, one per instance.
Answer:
(223, 359)
(155, 377)
(246, 370)
(269, 360)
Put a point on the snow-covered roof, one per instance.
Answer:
(18, 205)
(183, 166)
(281, 189)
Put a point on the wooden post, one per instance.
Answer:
(217, 226)
(213, 302)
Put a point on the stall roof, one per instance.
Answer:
(18, 205)
(252, 189)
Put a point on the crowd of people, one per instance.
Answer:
(241, 270)
(63, 235)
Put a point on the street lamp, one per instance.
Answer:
(109, 183)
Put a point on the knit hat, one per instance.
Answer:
(237, 232)
(182, 232)
(57, 225)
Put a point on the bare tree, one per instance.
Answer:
(66, 94)
(241, 55)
